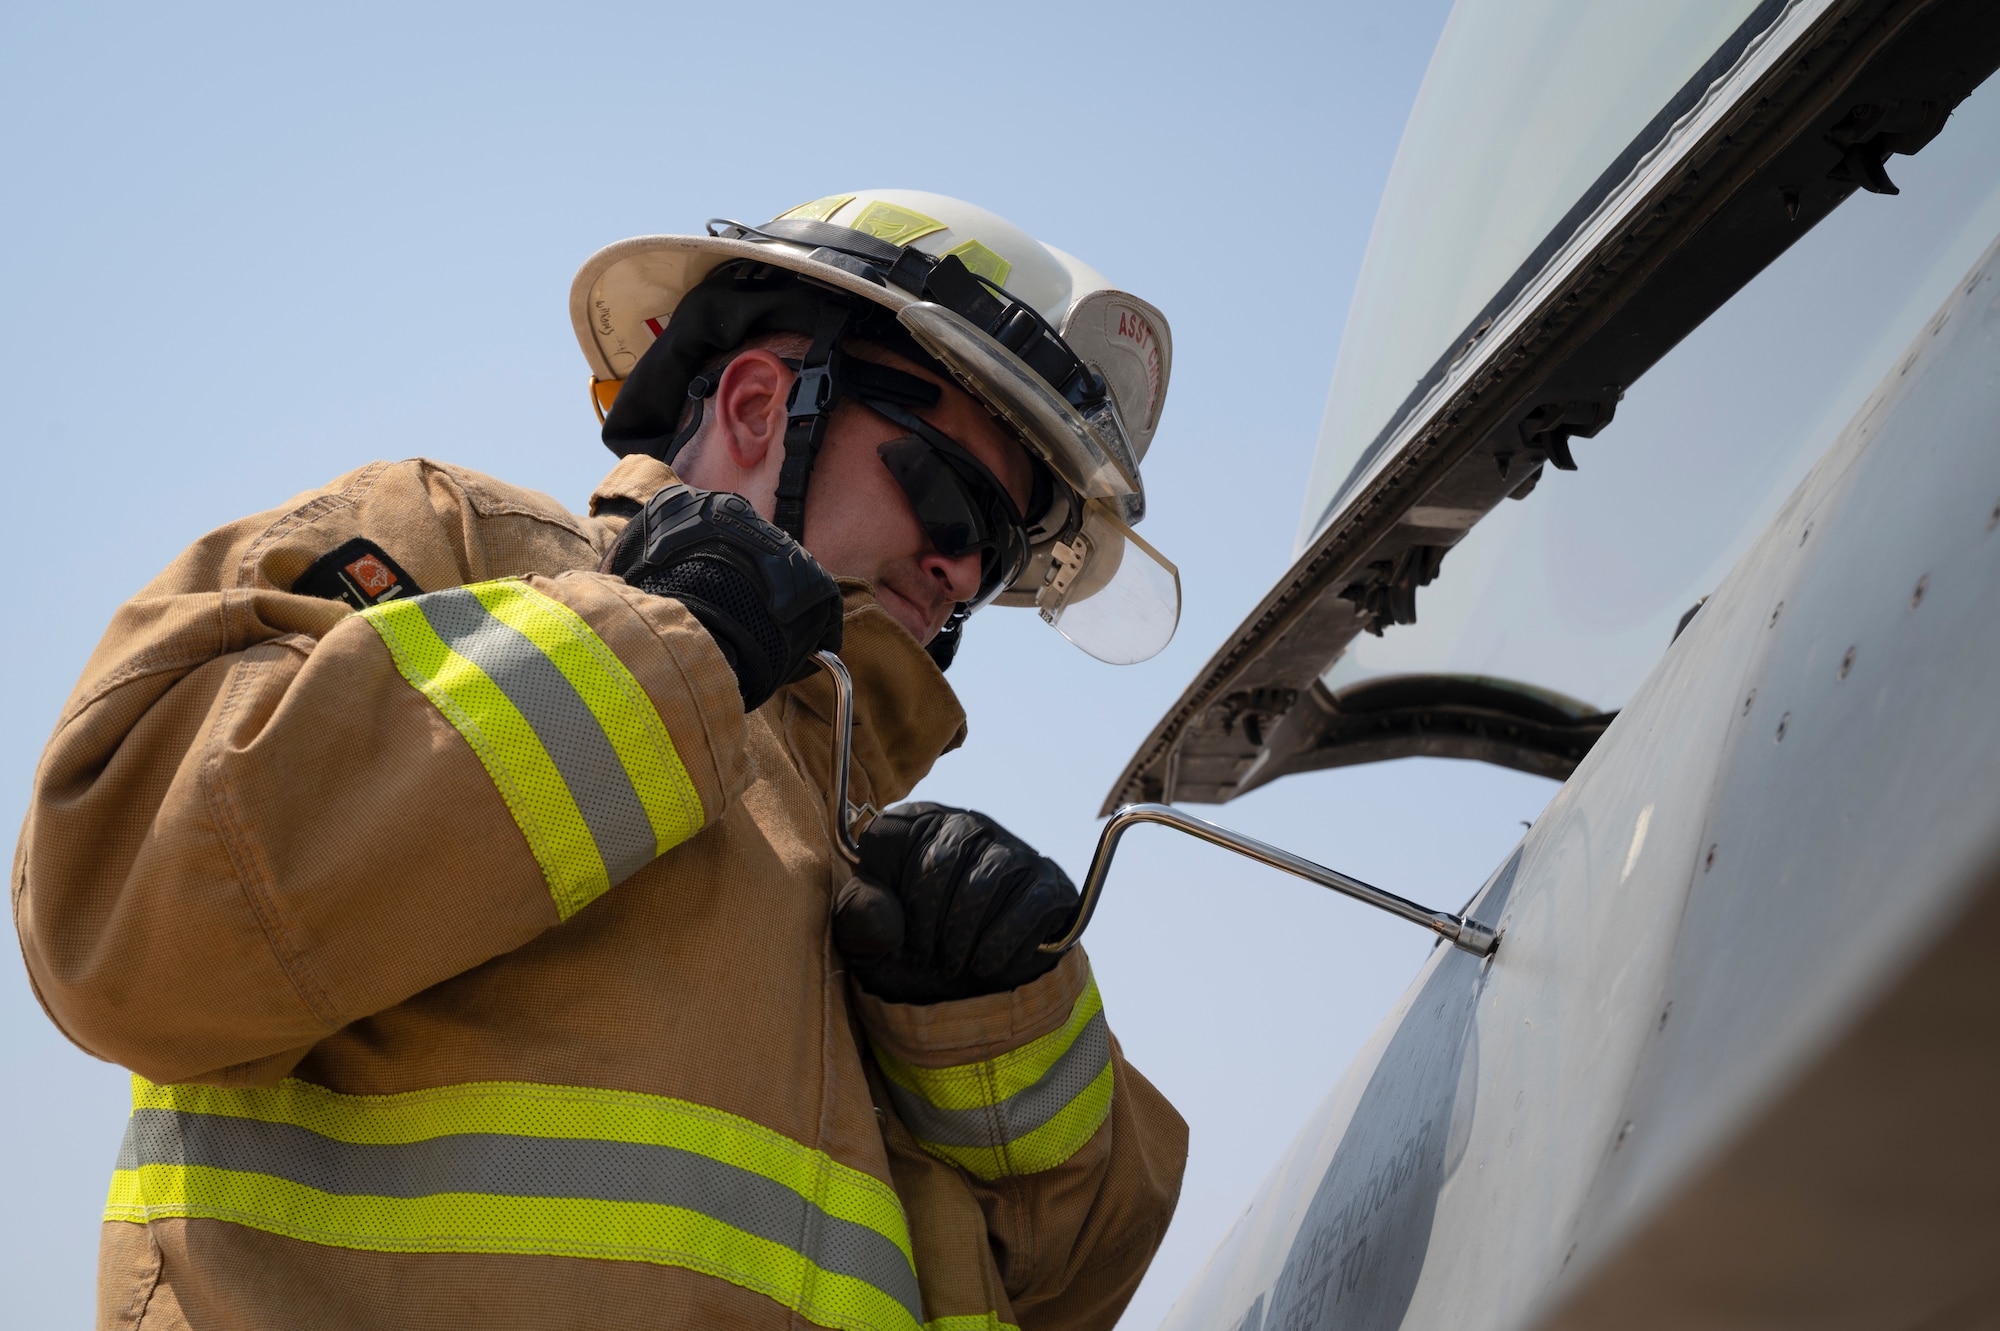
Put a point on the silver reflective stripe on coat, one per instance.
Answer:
(528, 1169)
(510, 1166)
(565, 725)
(1019, 1114)
(1022, 1111)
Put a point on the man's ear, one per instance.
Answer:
(750, 411)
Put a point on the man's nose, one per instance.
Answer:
(957, 576)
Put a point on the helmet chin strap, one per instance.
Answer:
(943, 645)
(808, 409)
(823, 376)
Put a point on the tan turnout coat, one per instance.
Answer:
(399, 1063)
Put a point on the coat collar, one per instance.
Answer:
(636, 478)
(906, 716)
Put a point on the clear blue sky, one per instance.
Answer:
(248, 248)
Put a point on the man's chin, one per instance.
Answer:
(905, 612)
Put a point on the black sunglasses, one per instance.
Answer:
(962, 505)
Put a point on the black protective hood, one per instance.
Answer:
(735, 303)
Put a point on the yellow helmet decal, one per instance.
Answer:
(820, 209)
(897, 225)
(983, 262)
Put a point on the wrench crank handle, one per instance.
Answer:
(1460, 931)
(842, 816)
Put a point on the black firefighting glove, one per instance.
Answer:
(949, 905)
(766, 602)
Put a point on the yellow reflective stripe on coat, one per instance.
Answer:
(1023, 1112)
(515, 1167)
(569, 737)
(975, 1322)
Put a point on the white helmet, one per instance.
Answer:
(1076, 369)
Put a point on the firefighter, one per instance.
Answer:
(455, 874)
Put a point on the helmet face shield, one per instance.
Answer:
(1109, 592)
(1091, 454)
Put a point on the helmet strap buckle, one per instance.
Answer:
(808, 407)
